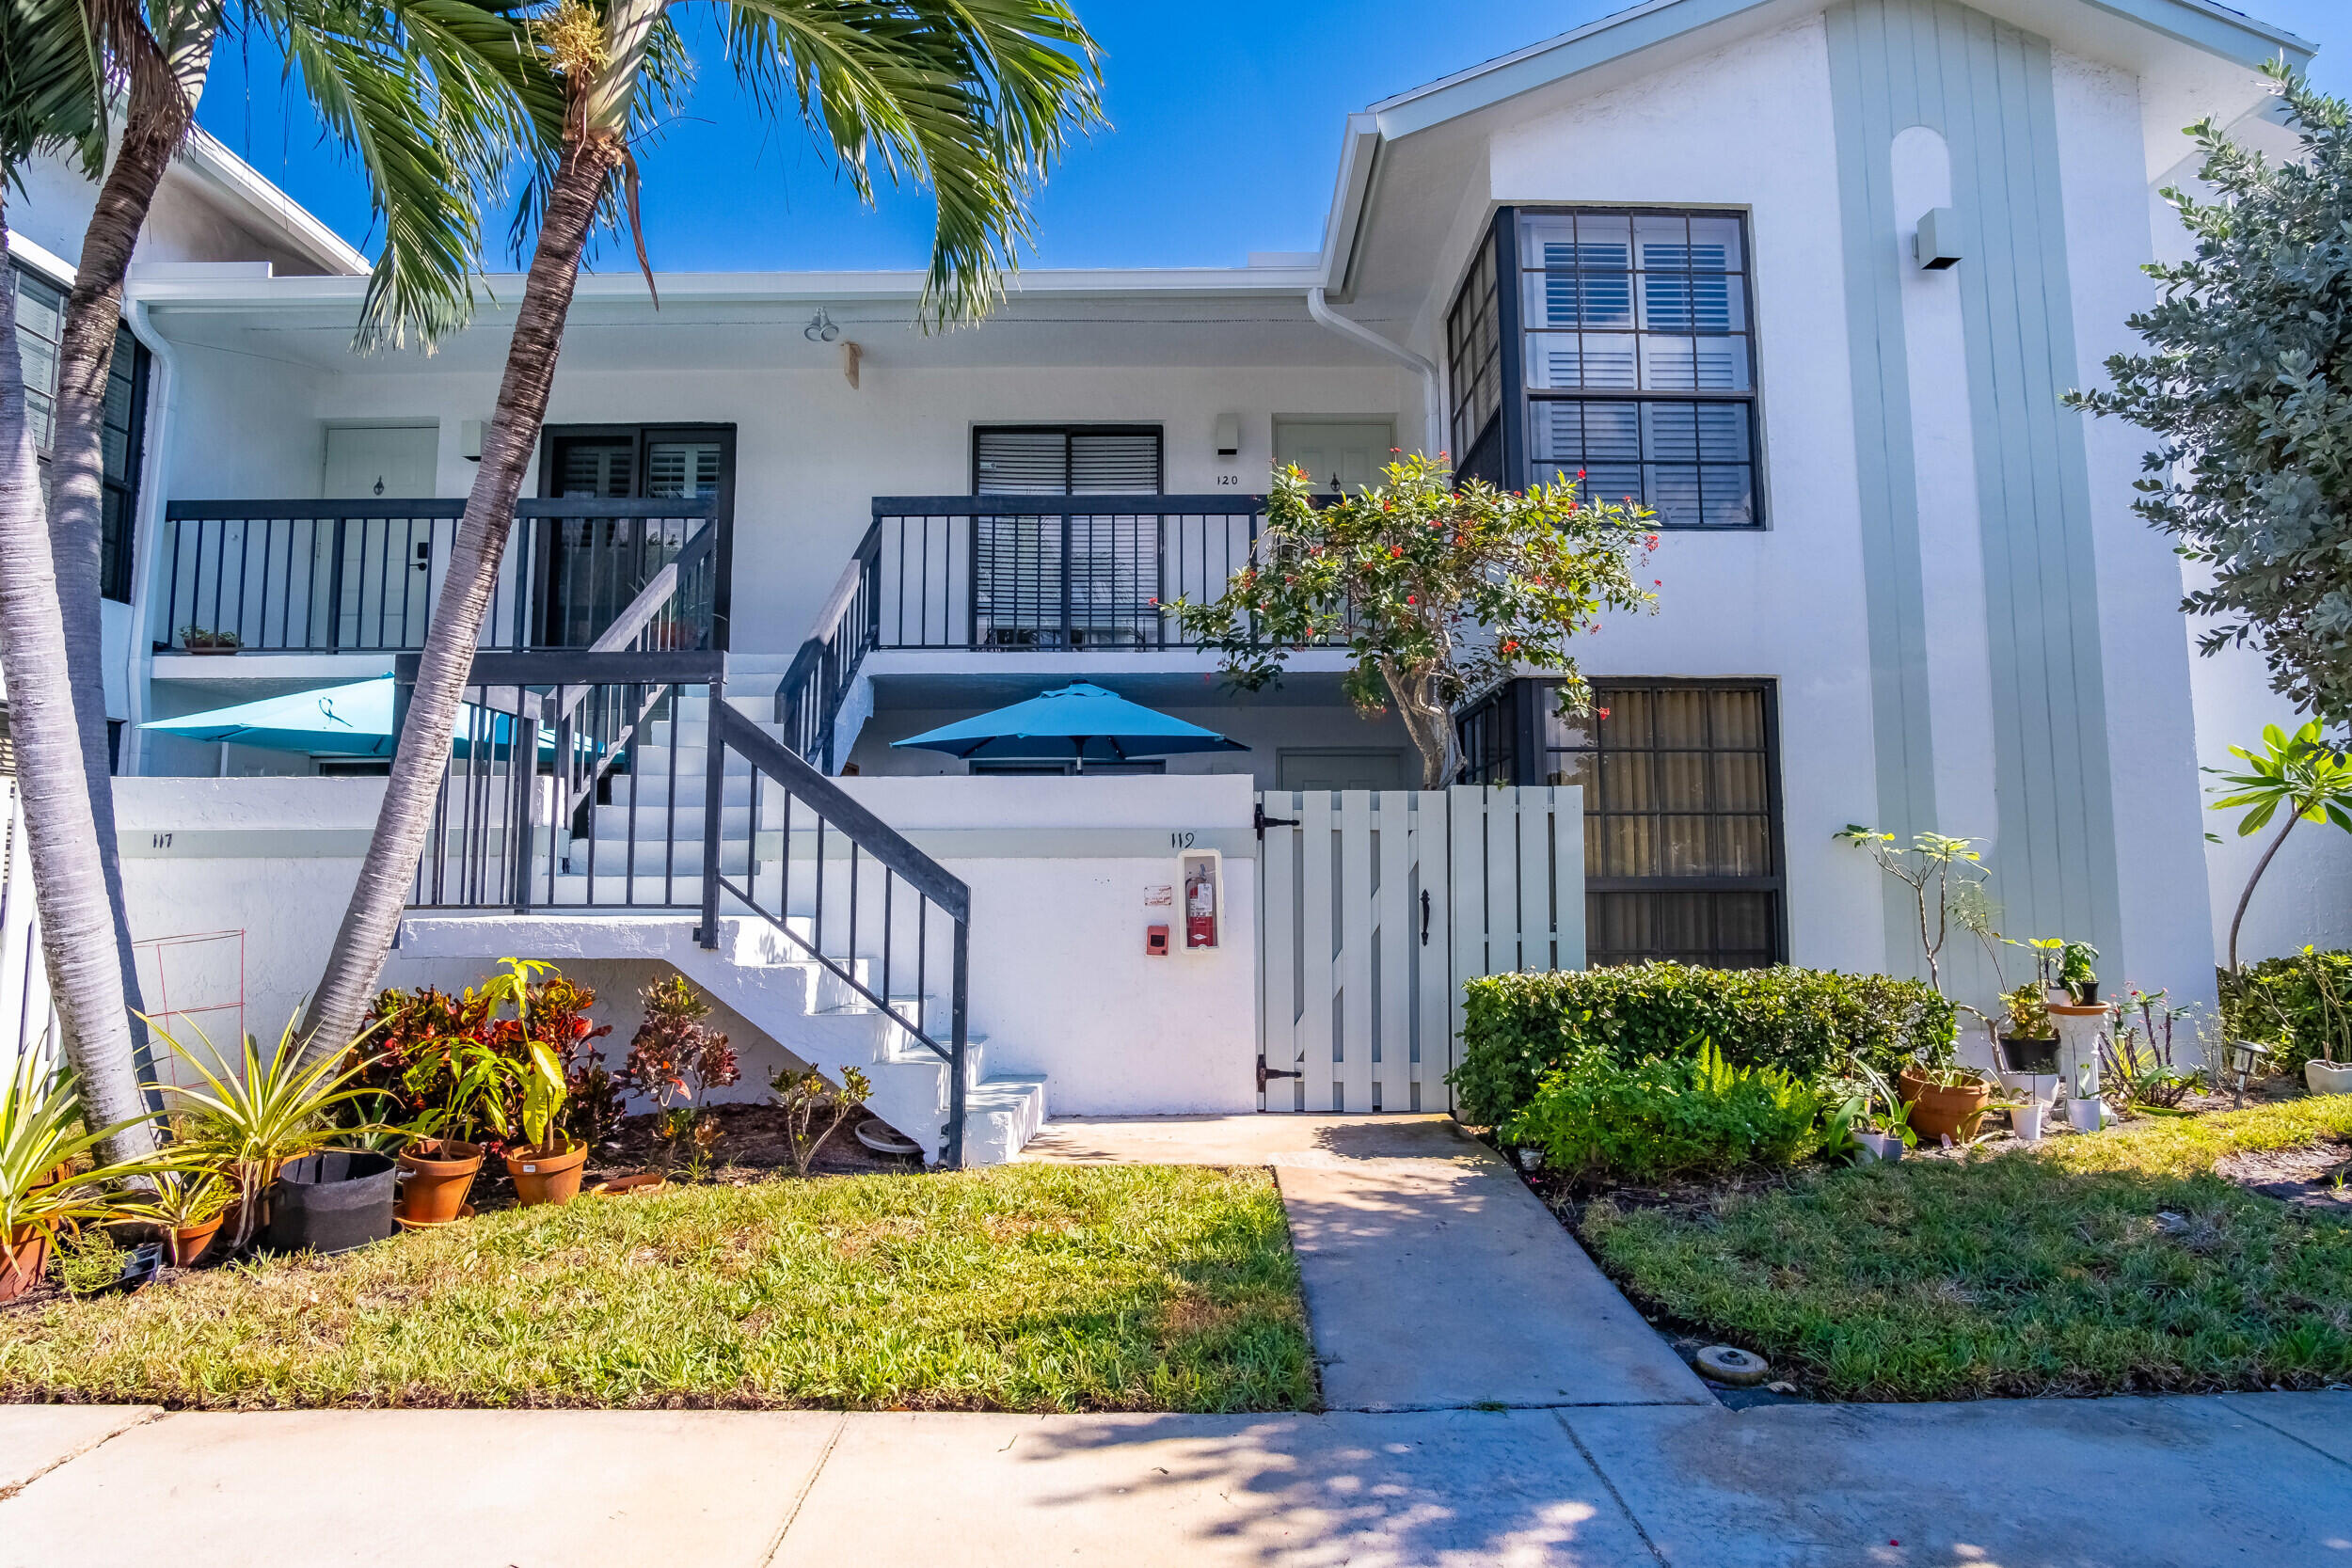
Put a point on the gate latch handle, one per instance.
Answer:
(1424, 917)
(1261, 821)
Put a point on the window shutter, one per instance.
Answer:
(1020, 462)
(675, 468)
(1114, 465)
(1031, 461)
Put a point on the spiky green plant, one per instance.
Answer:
(42, 1130)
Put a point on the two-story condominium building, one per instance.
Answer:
(1809, 280)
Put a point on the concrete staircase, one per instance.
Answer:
(655, 854)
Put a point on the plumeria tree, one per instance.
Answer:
(1434, 591)
(2300, 772)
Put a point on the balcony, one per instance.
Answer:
(363, 577)
(990, 574)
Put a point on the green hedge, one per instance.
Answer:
(1802, 1021)
(2278, 1002)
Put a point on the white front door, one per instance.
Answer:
(373, 461)
(1338, 455)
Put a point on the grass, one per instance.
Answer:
(2041, 1271)
(1022, 1288)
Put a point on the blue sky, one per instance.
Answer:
(1226, 118)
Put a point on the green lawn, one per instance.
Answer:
(2041, 1270)
(1022, 1288)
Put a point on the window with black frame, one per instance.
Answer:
(1637, 361)
(39, 324)
(1059, 578)
(1681, 821)
(1473, 341)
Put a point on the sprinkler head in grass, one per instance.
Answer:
(1728, 1364)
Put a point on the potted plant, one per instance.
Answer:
(1946, 1101)
(466, 1082)
(43, 1136)
(2029, 1044)
(258, 1122)
(546, 1166)
(2075, 973)
(189, 1206)
(92, 1263)
(204, 639)
(1876, 1120)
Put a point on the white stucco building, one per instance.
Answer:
(1809, 280)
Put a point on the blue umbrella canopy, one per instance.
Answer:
(1081, 721)
(354, 720)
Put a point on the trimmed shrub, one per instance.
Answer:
(1659, 1119)
(2292, 1003)
(1804, 1023)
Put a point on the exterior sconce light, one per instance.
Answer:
(1936, 242)
(1229, 435)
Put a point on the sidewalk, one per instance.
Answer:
(2150, 1484)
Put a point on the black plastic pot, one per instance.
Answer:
(332, 1202)
(2086, 995)
(2029, 1056)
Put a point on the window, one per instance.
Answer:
(1637, 360)
(1473, 344)
(1682, 820)
(589, 567)
(39, 324)
(1061, 579)
(1066, 460)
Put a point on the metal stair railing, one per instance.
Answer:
(829, 809)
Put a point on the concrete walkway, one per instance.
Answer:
(1434, 1278)
(2263, 1479)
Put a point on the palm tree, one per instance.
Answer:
(2301, 771)
(50, 98)
(431, 95)
(974, 98)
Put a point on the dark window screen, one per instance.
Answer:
(1065, 460)
(1682, 822)
(39, 326)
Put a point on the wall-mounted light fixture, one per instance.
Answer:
(820, 328)
(1936, 242)
(469, 439)
(1229, 435)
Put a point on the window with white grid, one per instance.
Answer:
(1638, 362)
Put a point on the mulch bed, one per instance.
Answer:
(753, 1147)
(2316, 1177)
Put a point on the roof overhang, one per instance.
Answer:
(2096, 28)
(231, 184)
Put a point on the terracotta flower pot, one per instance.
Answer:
(435, 1176)
(542, 1177)
(27, 1250)
(1938, 1110)
(189, 1240)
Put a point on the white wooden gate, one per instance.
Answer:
(1375, 905)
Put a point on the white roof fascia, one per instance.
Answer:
(1360, 156)
(166, 290)
(41, 259)
(267, 208)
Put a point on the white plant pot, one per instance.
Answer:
(1881, 1146)
(2086, 1116)
(2026, 1121)
(2328, 1077)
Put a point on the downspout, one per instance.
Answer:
(1432, 405)
(145, 531)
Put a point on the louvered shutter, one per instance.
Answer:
(1121, 464)
(676, 469)
(1033, 461)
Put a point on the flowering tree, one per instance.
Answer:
(1434, 591)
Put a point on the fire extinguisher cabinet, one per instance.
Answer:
(1200, 892)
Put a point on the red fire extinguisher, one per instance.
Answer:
(1200, 905)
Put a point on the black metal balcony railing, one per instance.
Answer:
(1013, 573)
(363, 576)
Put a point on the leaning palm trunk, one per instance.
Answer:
(161, 109)
(61, 832)
(340, 1009)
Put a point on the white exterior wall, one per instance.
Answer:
(2152, 730)
(1786, 602)
(811, 451)
(1060, 985)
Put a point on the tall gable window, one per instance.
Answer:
(39, 324)
(1625, 352)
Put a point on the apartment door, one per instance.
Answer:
(590, 567)
(1339, 454)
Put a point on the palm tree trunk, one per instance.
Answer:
(61, 831)
(157, 121)
(2259, 867)
(340, 1009)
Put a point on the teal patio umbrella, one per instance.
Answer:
(1082, 722)
(354, 720)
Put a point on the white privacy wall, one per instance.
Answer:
(1784, 603)
(1057, 870)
